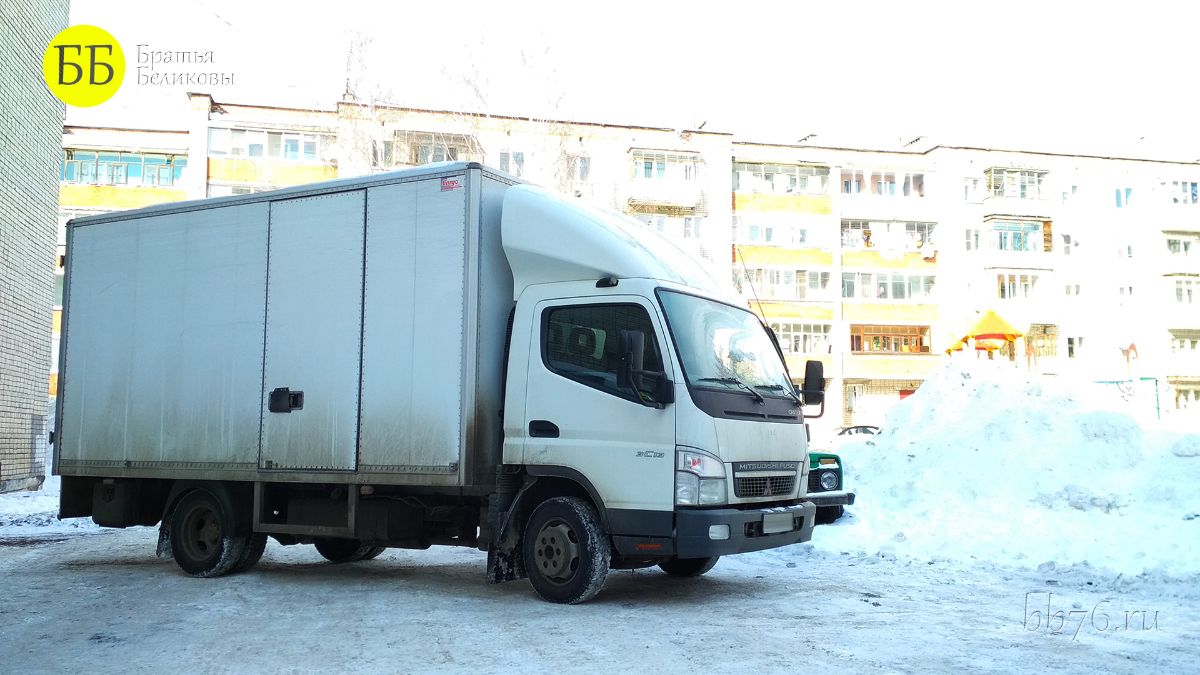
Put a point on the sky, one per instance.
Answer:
(1117, 78)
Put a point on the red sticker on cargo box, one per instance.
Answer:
(451, 183)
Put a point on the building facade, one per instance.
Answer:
(873, 261)
(30, 123)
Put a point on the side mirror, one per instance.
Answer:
(813, 391)
(632, 347)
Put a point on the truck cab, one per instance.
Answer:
(633, 374)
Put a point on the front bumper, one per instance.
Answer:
(835, 498)
(745, 530)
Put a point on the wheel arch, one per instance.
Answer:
(541, 483)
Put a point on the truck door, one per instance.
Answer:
(579, 417)
(313, 333)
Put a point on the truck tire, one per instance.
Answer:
(345, 550)
(255, 545)
(202, 539)
(374, 553)
(565, 550)
(688, 567)
(828, 514)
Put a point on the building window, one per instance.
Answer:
(675, 166)
(1015, 183)
(893, 339)
(257, 143)
(1123, 197)
(883, 183)
(1180, 246)
(971, 190)
(513, 162)
(780, 179)
(691, 227)
(1184, 192)
(887, 286)
(802, 338)
(784, 284)
(1073, 289)
(862, 234)
(1186, 290)
(1074, 346)
(1016, 286)
(1019, 236)
(584, 166)
(972, 240)
(121, 168)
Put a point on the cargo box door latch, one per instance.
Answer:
(284, 400)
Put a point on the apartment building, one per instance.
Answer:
(872, 260)
(835, 248)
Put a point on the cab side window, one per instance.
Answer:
(583, 343)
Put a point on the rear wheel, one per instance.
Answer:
(255, 545)
(202, 539)
(828, 514)
(375, 552)
(688, 567)
(566, 552)
(346, 550)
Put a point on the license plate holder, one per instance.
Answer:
(774, 523)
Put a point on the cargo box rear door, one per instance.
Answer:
(314, 333)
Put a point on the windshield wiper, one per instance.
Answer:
(779, 387)
(758, 398)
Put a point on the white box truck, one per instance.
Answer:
(434, 356)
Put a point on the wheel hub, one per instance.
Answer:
(557, 552)
(204, 533)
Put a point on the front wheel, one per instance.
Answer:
(688, 567)
(566, 551)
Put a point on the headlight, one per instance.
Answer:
(699, 463)
(699, 479)
(829, 480)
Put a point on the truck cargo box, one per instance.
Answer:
(349, 331)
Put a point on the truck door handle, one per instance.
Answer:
(284, 400)
(543, 429)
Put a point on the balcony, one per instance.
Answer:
(273, 172)
(911, 366)
(815, 204)
(116, 197)
(686, 194)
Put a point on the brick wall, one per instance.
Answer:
(30, 142)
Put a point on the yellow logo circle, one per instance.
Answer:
(83, 66)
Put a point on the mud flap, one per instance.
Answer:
(164, 540)
(505, 562)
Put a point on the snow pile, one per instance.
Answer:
(36, 512)
(1002, 466)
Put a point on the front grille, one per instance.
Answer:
(763, 486)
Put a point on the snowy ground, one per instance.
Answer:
(104, 600)
(1003, 523)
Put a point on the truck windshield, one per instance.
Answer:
(724, 347)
